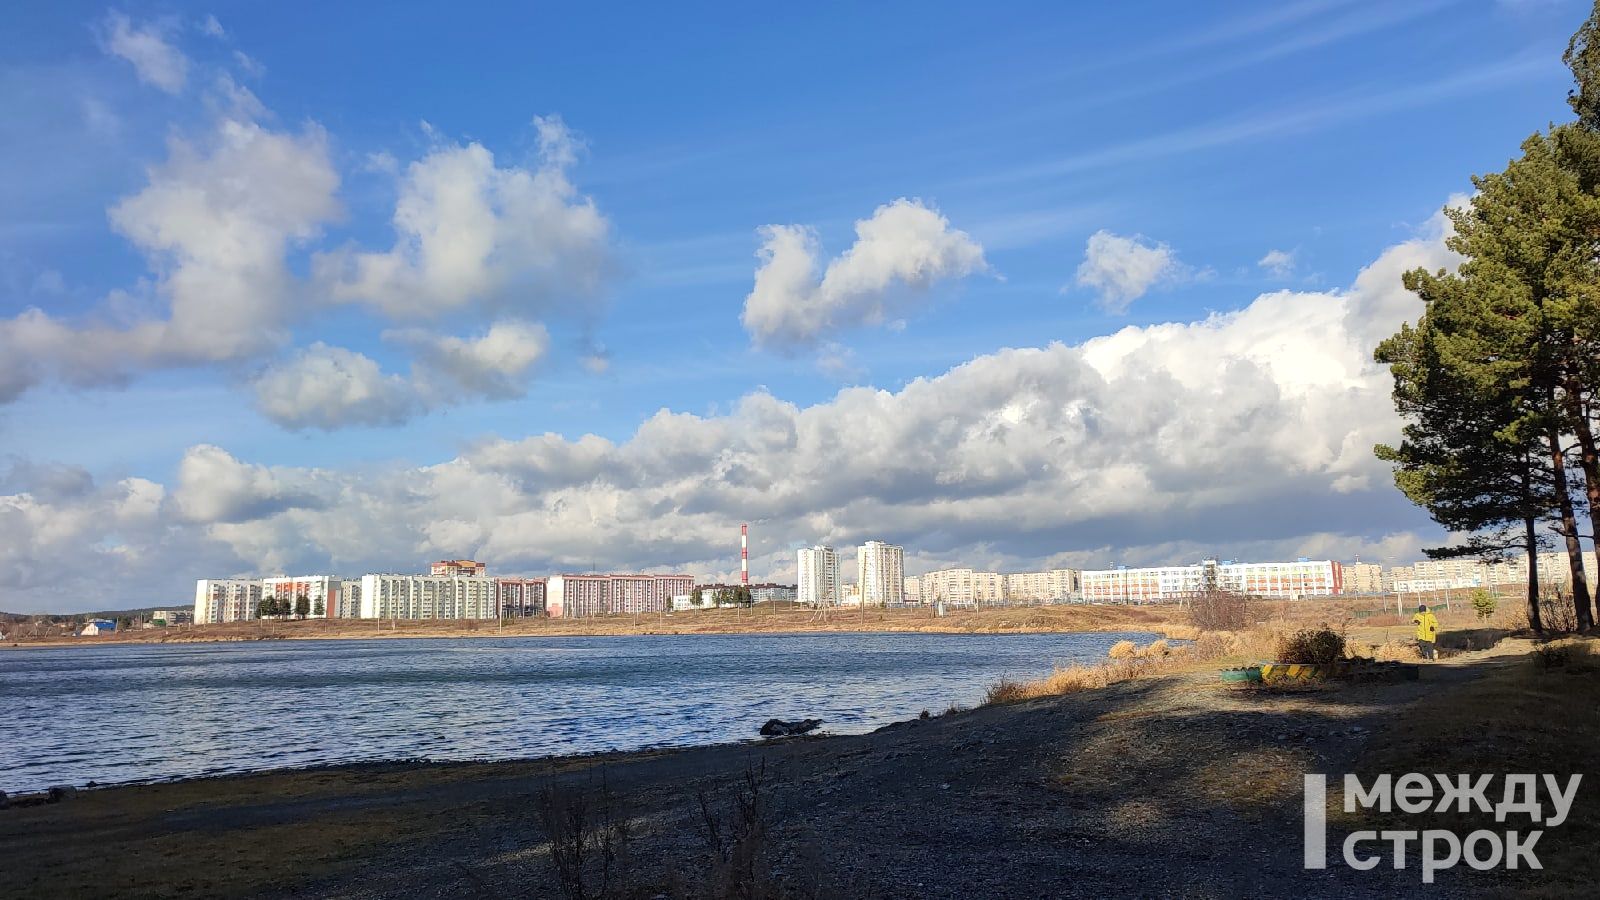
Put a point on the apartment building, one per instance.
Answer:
(1049, 585)
(390, 596)
(961, 586)
(817, 582)
(880, 573)
(1365, 578)
(218, 600)
(1159, 584)
(914, 589)
(322, 591)
(458, 568)
(1468, 572)
(520, 597)
(577, 596)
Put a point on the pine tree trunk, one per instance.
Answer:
(1531, 531)
(1589, 460)
(1569, 533)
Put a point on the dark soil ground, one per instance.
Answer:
(1177, 785)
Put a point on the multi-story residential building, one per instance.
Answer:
(1364, 578)
(1469, 572)
(428, 597)
(769, 592)
(322, 591)
(520, 597)
(818, 577)
(1158, 584)
(226, 600)
(171, 617)
(914, 589)
(458, 568)
(880, 573)
(1049, 585)
(576, 596)
(961, 587)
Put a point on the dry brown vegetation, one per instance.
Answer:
(760, 619)
(1531, 711)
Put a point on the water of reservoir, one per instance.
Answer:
(114, 714)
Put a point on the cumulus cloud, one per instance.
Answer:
(149, 48)
(1123, 269)
(213, 487)
(1278, 263)
(216, 221)
(331, 387)
(1246, 433)
(904, 247)
(475, 235)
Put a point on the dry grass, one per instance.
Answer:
(763, 618)
(1520, 716)
(1123, 650)
(1127, 661)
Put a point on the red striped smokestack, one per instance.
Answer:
(744, 555)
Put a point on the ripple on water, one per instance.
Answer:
(218, 709)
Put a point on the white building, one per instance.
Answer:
(818, 577)
(1051, 585)
(576, 596)
(1364, 578)
(1468, 572)
(219, 600)
(323, 592)
(1159, 584)
(961, 587)
(428, 597)
(880, 573)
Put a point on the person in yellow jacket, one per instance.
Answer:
(1427, 630)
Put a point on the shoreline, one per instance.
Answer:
(996, 620)
(890, 812)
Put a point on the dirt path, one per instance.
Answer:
(1177, 786)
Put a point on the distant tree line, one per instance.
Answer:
(1496, 381)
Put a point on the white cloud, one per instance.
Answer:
(148, 47)
(1278, 263)
(904, 245)
(492, 365)
(474, 235)
(216, 221)
(210, 27)
(1247, 433)
(213, 487)
(1123, 269)
(331, 387)
(249, 64)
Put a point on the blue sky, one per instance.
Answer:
(1205, 135)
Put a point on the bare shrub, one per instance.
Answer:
(1006, 690)
(588, 840)
(738, 845)
(1220, 611)
(1557, 613)
(1156, 648)
(1123, 649)
(1313, 646)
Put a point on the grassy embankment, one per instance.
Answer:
(760, 619)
